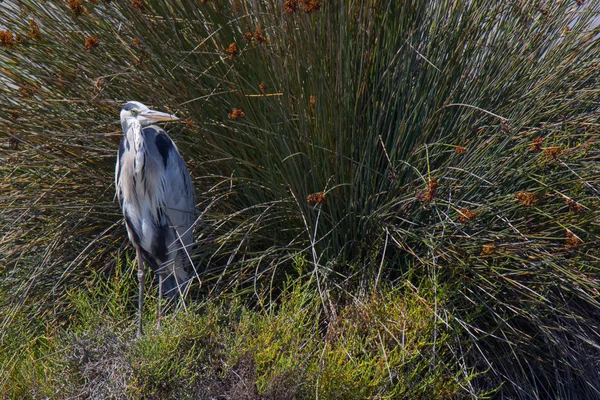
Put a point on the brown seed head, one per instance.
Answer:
(34, 29)
(536, 144)
(461, 150)
(236, 113)
(311, 6)
(259, 37)
(263, 87)
(77, 7)
(572, 241)
(139, 4)
(528, 199)
(488, 249)
(290, 6)
(316, 198)
(232, 49)
(100, 84)
(248, 37)
(7, 39)
(552, 152)
(575, 206)
(467, 215)
(313, 102)
(136, 42)
(26, 90)
(429, 194)
(91, 43)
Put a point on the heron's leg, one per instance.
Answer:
(160, 297)
(141, 280)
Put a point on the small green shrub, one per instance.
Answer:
(389, 344)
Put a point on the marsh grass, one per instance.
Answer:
(444, 145)
(378, 345)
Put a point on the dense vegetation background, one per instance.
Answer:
(397, 199)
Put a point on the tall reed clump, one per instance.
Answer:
(453, 143)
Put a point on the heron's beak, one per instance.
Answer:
(157, 116)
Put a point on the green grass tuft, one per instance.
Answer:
(388, 343)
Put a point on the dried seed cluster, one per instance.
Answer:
(528, 199)
(91, 43)
(316, 198)
(311, 5)
(552, 152)
(139, 4)
(536, 144)
(27, 90)
(232, 49)
(259, 37)
(77, 7)
(7, 39)
(429, 194)
(34, 29)
(263, 87)
(461, 150)
(256, 36)
(467, 215)
(575, 206)
(291, 6)
(488, 249)
(572, 241)
(236, 113)
(100, 84)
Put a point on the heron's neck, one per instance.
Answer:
(133, 133)
(135, 138)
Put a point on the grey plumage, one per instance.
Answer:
(156, 195)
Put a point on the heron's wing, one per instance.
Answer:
(179, 198)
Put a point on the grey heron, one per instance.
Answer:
(157, 198)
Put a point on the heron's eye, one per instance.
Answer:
(134, 112)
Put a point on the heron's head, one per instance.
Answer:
(134, 110)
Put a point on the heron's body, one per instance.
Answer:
(156, 195)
